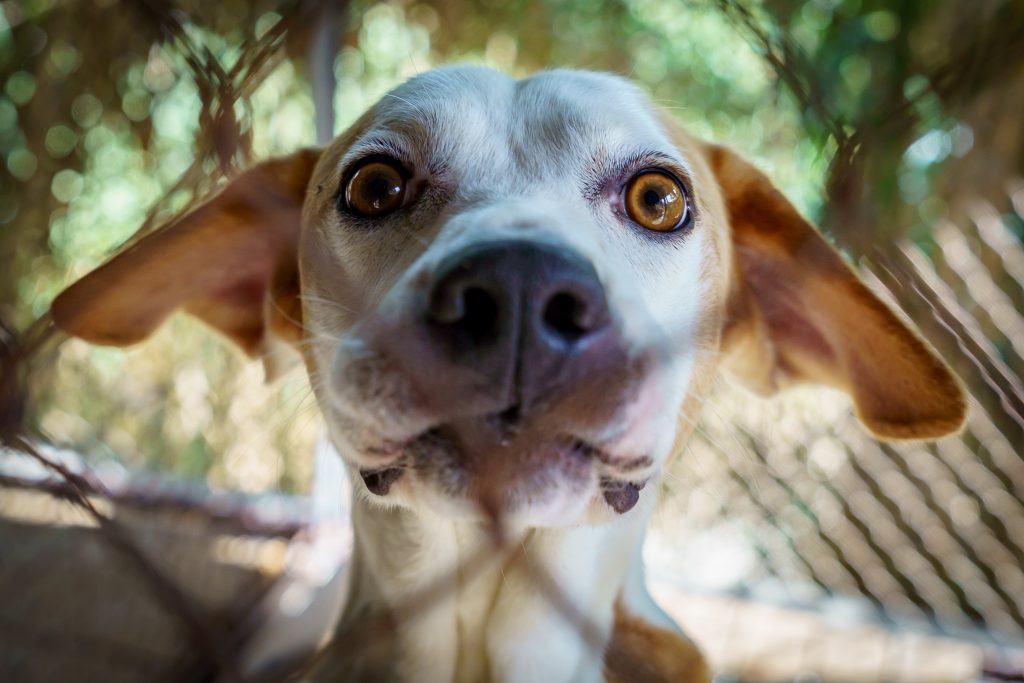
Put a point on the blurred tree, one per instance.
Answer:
(918, 106)
(879, 119)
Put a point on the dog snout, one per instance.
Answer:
(518, 312)
(485, 299)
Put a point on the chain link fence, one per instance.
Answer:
(108, 575)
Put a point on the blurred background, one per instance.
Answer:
(791, 545)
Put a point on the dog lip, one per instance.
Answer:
(622, 496)
(378, 482)
(618, 463)
(620, 484)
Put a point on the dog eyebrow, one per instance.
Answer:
(605, 168)
(653, 157)
(385, 143)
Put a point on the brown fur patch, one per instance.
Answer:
(642, 653)
(798, 313)
(216, 262)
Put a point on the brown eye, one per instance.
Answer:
(376, 189)
(656, 201)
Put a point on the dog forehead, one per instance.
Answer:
(584, 98)
(466, 117)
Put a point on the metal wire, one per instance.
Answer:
(934, 532)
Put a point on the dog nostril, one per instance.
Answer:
(567, 315)
(446, 309)
(471, 313)
(479, 313)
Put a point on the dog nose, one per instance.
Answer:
(487, 296)
(535, 305)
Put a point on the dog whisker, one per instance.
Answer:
(327, 302)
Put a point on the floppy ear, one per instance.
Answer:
(797, 313)
(231, 262)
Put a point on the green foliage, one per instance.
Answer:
(100, 113)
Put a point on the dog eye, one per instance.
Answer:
(657, 201)
(376, 189)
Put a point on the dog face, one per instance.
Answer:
(511, 295)
(510, 286)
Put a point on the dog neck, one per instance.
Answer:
(459, 608)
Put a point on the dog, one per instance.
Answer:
(511, 298)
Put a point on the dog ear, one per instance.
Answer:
(798, 313)
(230, 262)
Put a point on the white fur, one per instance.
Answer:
(514, 156)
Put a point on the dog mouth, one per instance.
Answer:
(379, 481)
(499, 464)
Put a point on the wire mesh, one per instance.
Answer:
(128, 584)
